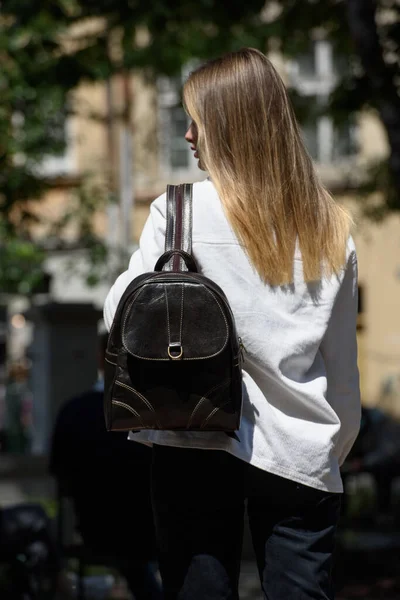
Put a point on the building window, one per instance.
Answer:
(57, 127)
(175, 153)
(306, 66)
(310, 137)
(313, 75)
(327, 143)
(178, 147)
(344, 140)
(58, 166)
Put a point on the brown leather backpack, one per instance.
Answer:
(173, 360)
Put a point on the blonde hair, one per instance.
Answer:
(250, 143)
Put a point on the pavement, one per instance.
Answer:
(380, 588)
(249, 584)
(376, 588)
(367, 568)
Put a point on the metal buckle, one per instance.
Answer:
(175, 351)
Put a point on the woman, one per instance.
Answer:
(268, 233)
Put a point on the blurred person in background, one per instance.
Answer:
(98, 470)
(377, 452)
(2, 416)
(18, 409)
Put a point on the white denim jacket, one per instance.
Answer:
(301, 410)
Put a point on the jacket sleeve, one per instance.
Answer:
(339, 350)
(151, 246)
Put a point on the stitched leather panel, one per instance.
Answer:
(178, 395)
(187, 210)
(168, 313)
(171, 223)
(179, 223)
(178, 233)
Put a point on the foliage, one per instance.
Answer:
(365, 35)
(20, 266)
(47, 47)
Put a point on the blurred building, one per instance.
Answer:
(128, 136)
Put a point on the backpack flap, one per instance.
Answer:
(175, 320)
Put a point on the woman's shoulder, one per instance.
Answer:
(210, 222)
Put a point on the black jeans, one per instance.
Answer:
(142, 581)
(199, 500)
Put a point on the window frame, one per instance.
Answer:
(320, 85)
(168, 90)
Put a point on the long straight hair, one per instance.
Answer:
(250, 143)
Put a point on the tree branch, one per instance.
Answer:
(364, 31)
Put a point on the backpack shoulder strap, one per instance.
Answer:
(179, 223)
